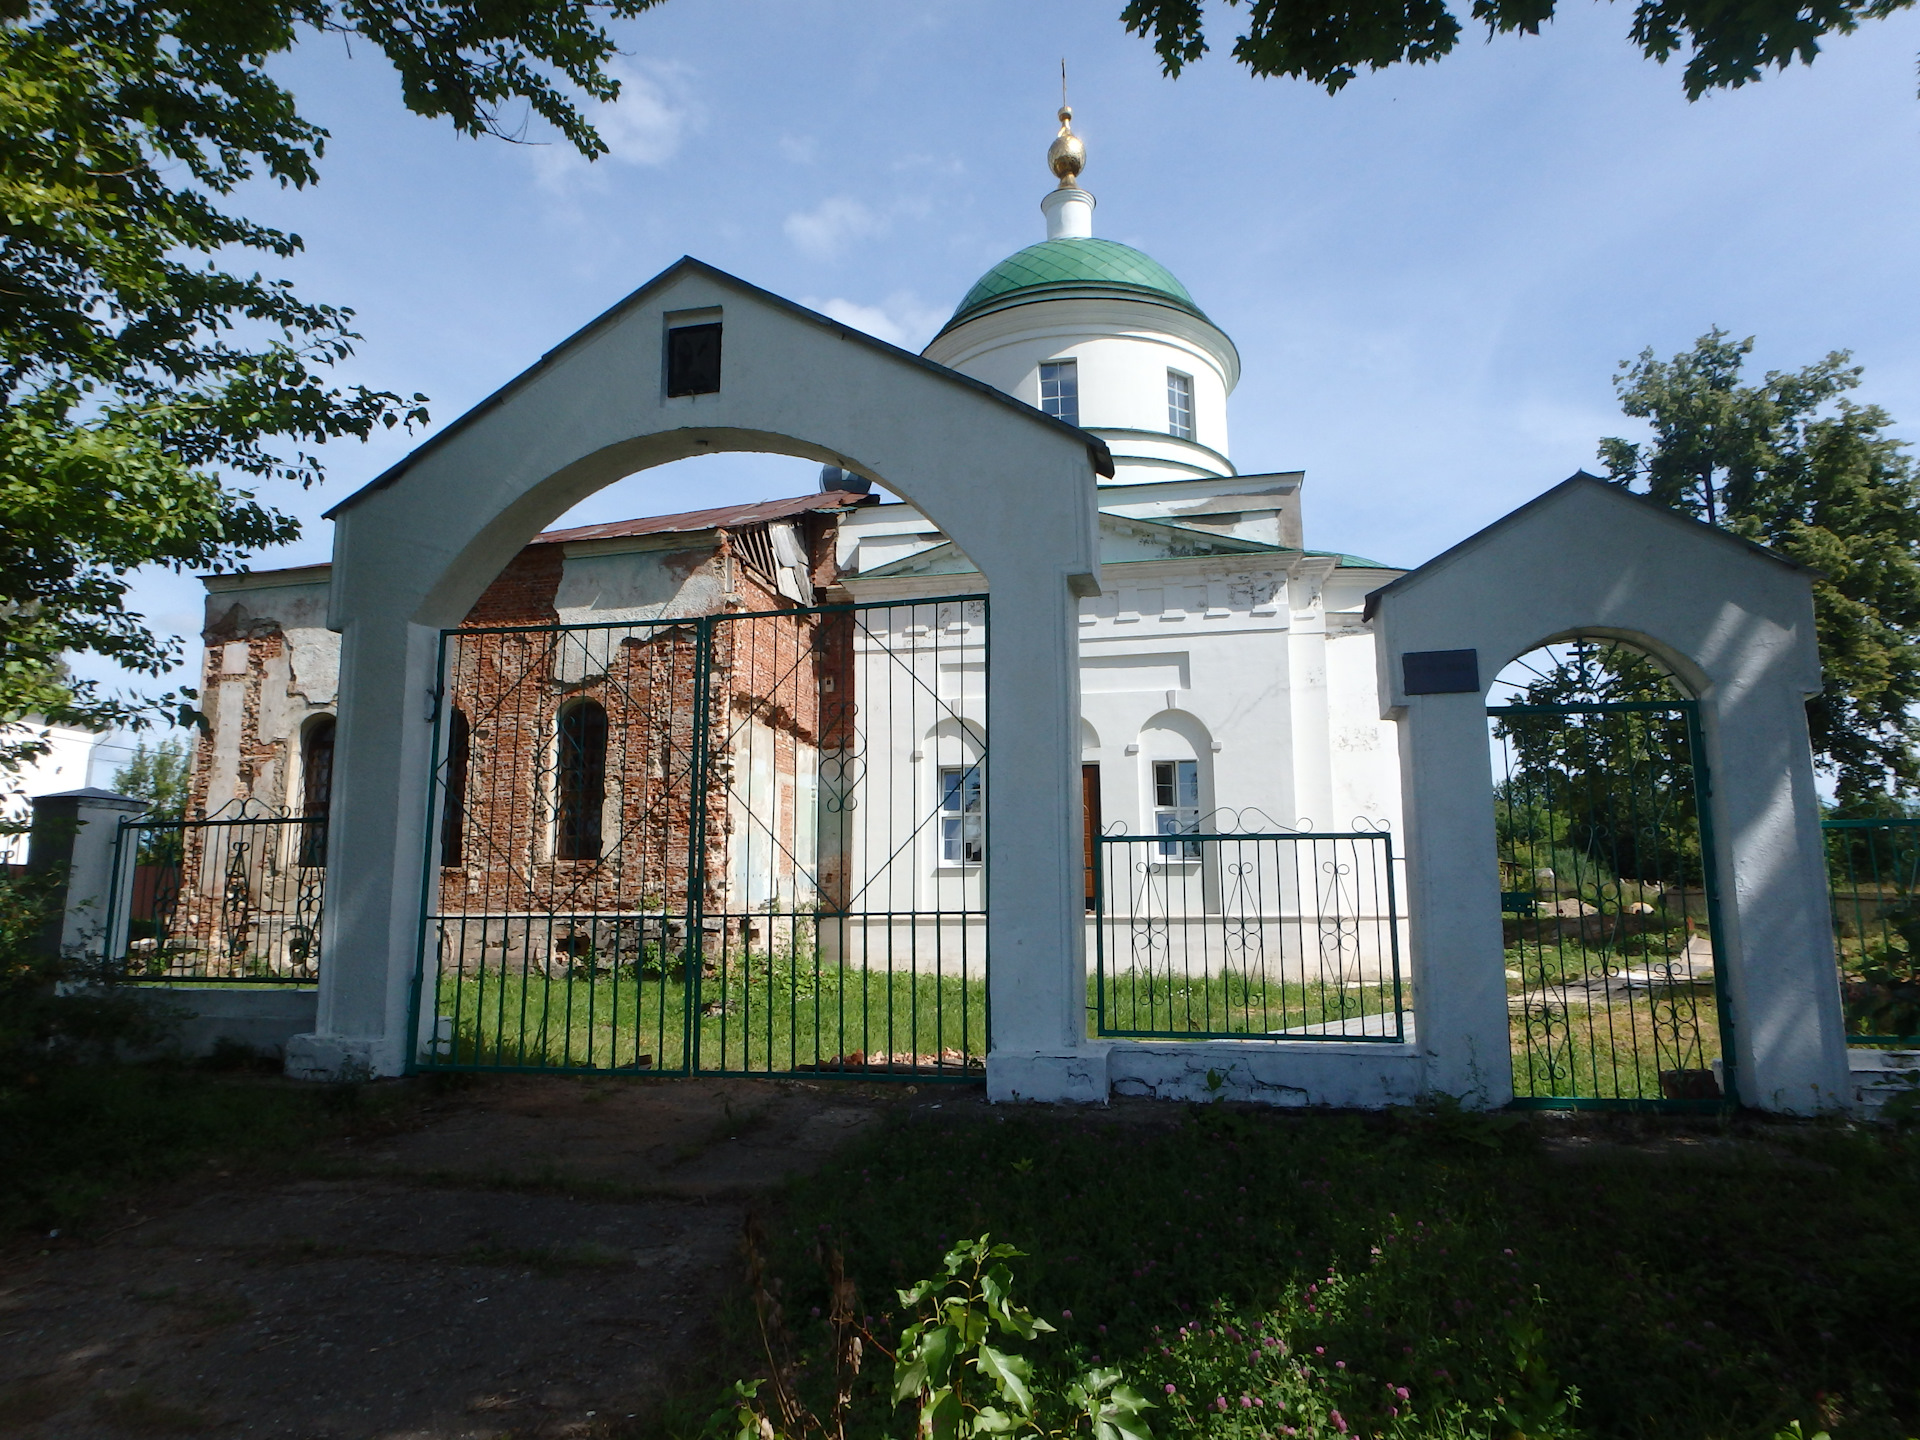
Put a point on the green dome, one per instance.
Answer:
(1074, 264)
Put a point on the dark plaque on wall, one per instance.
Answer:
(1440, 672)
(693, 360)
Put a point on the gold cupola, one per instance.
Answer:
(1067, 156)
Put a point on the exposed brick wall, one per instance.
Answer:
(523, 593)
(787, 675)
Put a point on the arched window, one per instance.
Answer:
(582, 764)
(316, 789)
(453, 814)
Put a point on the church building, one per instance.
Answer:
(1227, 675)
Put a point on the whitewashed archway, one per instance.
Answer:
(1014, 488)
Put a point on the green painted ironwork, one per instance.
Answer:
(1873, 869)
(1266, 933)
(1609, 901)
(746, 875)
(231, 900)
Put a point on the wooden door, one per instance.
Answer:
(1089, 820)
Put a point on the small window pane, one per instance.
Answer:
(962, 815)
(1176, 807)
(1060, 390)
(1180, 405)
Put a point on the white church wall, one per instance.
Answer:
(67, 765)
(1123, 349)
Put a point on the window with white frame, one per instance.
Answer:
(1179, 405)
(962, 812)
(1176, 807)
(1060, 390)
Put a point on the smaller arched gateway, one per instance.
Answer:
(1714, 638)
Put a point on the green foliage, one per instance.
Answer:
(960, 1310)
(160, 775)
(1601, 796)
(1793, 464)
(138, 379)
(961, 1384)
(42, 1029)
(1690, 1281)
(1881, 983)
(1329, 43)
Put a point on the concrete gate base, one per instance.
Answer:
(1345, 1075)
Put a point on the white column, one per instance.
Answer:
(73, 837)
(1453, 899)
(1036, 909)
(1776, 950)
(375, 853)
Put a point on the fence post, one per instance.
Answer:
(73, 840)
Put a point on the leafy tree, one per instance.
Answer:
(1795, 465)
(1602, 795)
(158, 775)
(1328, 41)
(144, 389)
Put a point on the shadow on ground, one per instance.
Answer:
(540, 1257)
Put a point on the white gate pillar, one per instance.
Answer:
(1036, 906)
(1782, 980)
(1453, 897)
(73, 838)
(376, 855)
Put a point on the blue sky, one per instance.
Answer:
(1431, 276)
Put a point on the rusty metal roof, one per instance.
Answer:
(726, 517)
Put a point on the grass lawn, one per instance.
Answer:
(772, 1015)
(1421, 1276)
(765, 1016)
(1235, 1004)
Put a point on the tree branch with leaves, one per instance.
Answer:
(147, 393)
(1728, 43)
(1796, 465)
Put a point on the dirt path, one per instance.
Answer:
(537, 1260)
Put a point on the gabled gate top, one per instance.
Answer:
(697, 361)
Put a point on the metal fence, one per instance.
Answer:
(1873, 868)
(1280, 934)
(231, 900)
(744, 843)
(1608, 905)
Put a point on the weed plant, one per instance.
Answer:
(1713, 1284)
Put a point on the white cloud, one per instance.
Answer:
(655, 113)
(903, 319)
(824, 231)
(800, 149)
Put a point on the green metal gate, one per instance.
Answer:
(1609, 906)
(744, 843)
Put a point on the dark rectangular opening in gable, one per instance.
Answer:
(693, 360)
